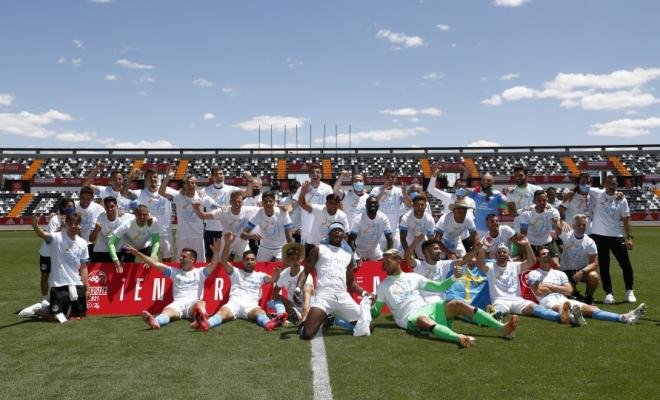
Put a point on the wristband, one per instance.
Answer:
(297, 290)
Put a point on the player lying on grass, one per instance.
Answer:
(245, 292)
(187, 286)
(551, 286)
(401, 292)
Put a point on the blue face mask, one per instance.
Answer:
(68, 210)
(460, 192)
(584, 188)
(413, 195)
(358, 186)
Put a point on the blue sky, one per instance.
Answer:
(129, 73)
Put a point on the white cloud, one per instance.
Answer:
(267, 146)
(146, 79)
(412, 112)
(509, 77)
(278, 122)
(110, 77)
(133, 65)
(384, 135)
(6, 99)
(432, 76)
(232, 91)
(620, 79)
(142, 144)
(31, 125)
(414, 120)
(68, 136)
(494, 100)
(518, 93)
(78, 43)
(398, 38)
(442, 27)
(483, 79)
(625, 127)
(61, 60)
(208, 116)
(454, 45)
(291, 63)
(201, 82)
(618, 100)
(76, 62)
(483, 143)
(510, 3)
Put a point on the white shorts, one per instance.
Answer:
(370, 252)
(196, 244)
(557, 299)
(165, 247)
(512, 305)
(340, 305)
(241, 307)
(182, 307)
(266, 254)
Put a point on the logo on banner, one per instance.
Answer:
(98, 281)
(98, 277)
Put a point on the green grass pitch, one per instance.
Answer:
(118, 358)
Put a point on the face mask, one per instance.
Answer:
(68, 210)
(255, 192)
(218, 185)
(358, 186)
(584, 188)
(413, 195)
(460, 192)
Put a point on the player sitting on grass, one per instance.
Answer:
(401, 292)
(187, 287)
(245, 291)
(551, 286)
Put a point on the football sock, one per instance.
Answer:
(279, 308)
(214, 321)
(163, 319)
(483, 318)
(444, 333)
(344, 324)
(606, 316)
(262, 319)
(545, 313)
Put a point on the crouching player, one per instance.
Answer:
(401, 292)
(245, 290)
(551, 286)
(187, 287)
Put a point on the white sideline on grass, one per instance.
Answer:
(320, 377)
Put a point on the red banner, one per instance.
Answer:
(11, 168)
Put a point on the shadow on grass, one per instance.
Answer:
(21, 322)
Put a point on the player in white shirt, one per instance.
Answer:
(104, 227)
(414, 190)
(366, 232)
(497, 236)
(353, 200)
(552, 198)
(189, 227)
(609, 210)
(69, 256)
(537, 224)
(450, 228)
(578, 201)
(579, 260)
(245, 292)
(317, 194)
(114, 190)
(141, 232)
(89, 211)
(234, 219)
(551, 286)
(324, 216)
(522, 195)
(294, 210)
(401, 292)
(159, 207)
(390, 198)
(187, 288)
(334, 264)
(416, 222)
(504, 285)
(293, 255)
(65, 206)
(274, 229)
(253, 195)
(219, 194)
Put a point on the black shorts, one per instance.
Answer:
(101, 257)
(552, 246)
(570, 274)
(131, 258)
(44, 264)
(209, 237)
(61, 303)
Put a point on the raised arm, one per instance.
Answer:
(152, 262)
(302, 201)
(530, 257)
(89, 179)
(337, 188)
(217, 243)
(202, 214)
(409, 256)
(125, 189)
(37, 229)
(169, 175)
(224, 260)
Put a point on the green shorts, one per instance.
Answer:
(434, 311)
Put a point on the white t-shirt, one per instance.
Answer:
(66, 257)
(322, 220)
(187, 285)
(294, 214)
(414, 226)
(107, 229)
(220, 196)
(503, 282)
(503, 237)
(354, 205)
(54, 224)
(523, 197)
(539, 225)
(369, 232)
(89, 216)
(189, 225)
(289, 282)
(122, 202)
(576, 251)
(247, 285)
(550, 277)
(314, 196)
(139, 237)
(253, 201)
(272, 229)
(579, 204)
(452, 231)
(331, 268)
(608, 213)
(159, 207)
(448, 199)
(234, 223)
(437, 272)
(390, 205)
(402, 295)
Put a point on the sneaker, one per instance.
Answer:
(630, 296)
(275, 322)
(609, 299)
(201, 318)
(565, 314)
(508, 330)
(633, 316)
(150, 320)
(577, 319)
(466, 341)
